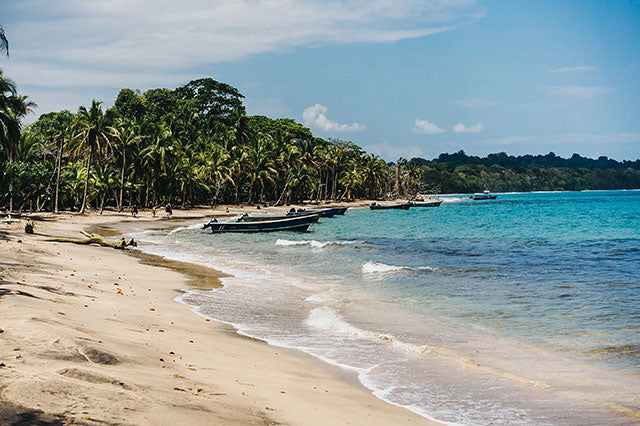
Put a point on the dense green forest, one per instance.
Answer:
(195, 145)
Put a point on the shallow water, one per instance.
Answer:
(520, 310)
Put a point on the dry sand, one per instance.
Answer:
(89, 335)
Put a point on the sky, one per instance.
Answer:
(399, 78)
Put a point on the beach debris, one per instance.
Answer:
(28, 228)
(121, 244)
(1, 330)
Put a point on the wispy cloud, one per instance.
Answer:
(165, 36)
(472, 103)
(573, 69)
(314, 117)
(578, 92)
(461, 128)
(426, 127)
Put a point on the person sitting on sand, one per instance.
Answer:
(167, 209)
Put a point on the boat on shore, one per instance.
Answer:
(486, 195)
(246, 217)
(432, 203)
(396, 206)
(294, 223)
(325, 212)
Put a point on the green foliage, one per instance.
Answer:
(195, 145)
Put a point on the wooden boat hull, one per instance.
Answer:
(264, 218)
(403, 206)
(426, 203)
(288, 224)
(330, 211)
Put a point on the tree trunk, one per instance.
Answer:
(124, 159)
(56, 205)
(86, 181)
(10, 180)
(104, 197)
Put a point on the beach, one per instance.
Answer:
(91, 335)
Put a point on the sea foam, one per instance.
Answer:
(382, 268)
(312, 243)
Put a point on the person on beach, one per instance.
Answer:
(153, 211)
(134, 210)
(168, 209)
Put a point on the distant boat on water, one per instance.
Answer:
(398, 206)
(486, 195)
(294, 223)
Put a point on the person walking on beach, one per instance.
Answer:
(134, 210)
(168, 209)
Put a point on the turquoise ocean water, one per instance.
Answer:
(520, 310)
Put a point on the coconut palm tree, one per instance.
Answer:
(93, 129)
(414, 175)
(13, 108)
(129, 137)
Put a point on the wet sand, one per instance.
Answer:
(90, 335)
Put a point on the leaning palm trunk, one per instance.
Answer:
(55, 207)
(124, 159)
(10, 181)
(86, 181)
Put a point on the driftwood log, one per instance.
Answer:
(121, 244)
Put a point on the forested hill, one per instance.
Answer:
(532, 161)
(461, 173)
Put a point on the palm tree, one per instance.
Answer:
(103, 182)
(13, 108)
(156, 155)
(128, 138)
(93, 129)
(288, 159)
(374, 172)
(414, 174)
(261, 167)
(401, 162)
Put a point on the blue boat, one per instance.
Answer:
(296, 223)
(325, 212)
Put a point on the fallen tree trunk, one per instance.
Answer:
(121, 244)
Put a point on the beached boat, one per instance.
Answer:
(486, 195)
(295, 223)
(399, 206)
(326, 212)
(246, 217)
(433, 203)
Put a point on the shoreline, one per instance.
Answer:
(121, 350)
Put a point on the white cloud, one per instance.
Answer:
(472, 103)
(578, 92)
(167, 36)
(573, 69)
(427, 127)
(461, 128)
(314, 117)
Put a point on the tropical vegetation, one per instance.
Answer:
(195, 145)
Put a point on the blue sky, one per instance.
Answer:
(399, 78)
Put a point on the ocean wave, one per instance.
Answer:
(382, 268)
(327, 319)
(182, 228)
(313, 243)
